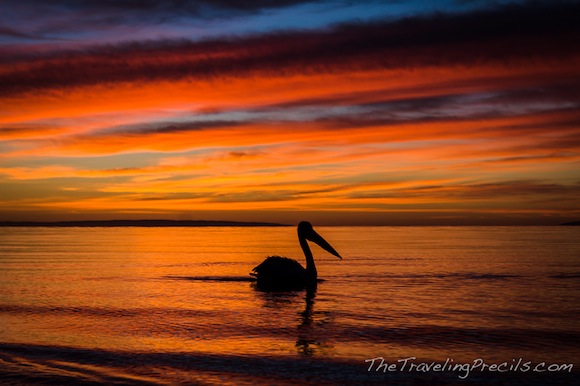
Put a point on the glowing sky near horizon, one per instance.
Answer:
(369, 112)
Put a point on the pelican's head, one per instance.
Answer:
(306, 231)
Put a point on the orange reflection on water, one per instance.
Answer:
(429, 292)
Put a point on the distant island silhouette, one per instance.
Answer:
(137, 223)
(571, 223)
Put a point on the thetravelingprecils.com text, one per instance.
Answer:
(463, 370)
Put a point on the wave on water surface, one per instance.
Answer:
(212, 278)
(35, 364)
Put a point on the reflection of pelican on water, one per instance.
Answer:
(311, 334)
(281, 273)
(308, 338)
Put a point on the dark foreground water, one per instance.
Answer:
(422, 305)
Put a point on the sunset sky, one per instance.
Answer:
(338, 112)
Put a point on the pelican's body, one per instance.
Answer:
(282, 273)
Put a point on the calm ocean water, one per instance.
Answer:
(175, 306)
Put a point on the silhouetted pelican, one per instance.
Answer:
(282, 273)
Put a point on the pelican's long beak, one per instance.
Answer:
(316, 238)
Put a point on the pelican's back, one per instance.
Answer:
(277, 272)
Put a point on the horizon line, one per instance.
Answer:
(151, 223)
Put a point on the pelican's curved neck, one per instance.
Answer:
(310, 267)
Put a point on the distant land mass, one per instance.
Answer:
(137, 223)
(571, 223)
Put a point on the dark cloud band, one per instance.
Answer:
(511, 33)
